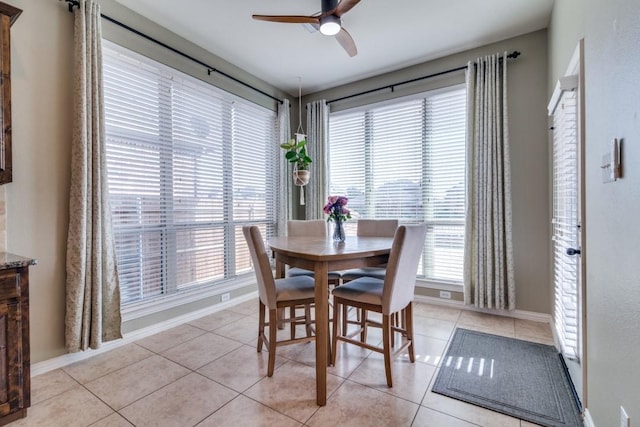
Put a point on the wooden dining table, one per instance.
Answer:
(322, 255)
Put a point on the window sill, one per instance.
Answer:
(146, 308)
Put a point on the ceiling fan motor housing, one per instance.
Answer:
(328, 5)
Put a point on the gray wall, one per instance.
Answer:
(611, 31)
(527, 80)
(37, 199)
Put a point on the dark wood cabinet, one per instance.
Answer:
(8, 15)
(15, 372)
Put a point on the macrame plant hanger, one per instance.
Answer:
(300, 136)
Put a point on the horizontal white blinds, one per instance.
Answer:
(565, 223)
(188, 165)
(406, 160)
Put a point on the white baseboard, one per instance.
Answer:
(516, 314)
(69, 358)
(588, 421)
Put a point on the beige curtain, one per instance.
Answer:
(284, 188)
(488, 269)
(318, 150)
(93, 293)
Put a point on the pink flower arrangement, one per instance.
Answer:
(336, 208)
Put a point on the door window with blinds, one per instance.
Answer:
(188, 166)
(406, 160)
(565, 223)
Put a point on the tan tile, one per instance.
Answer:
(102, 364)
(201, 350)
(426, 350)
(120, 388)
(75, 407)
(50, 384)
(216, 320)
(290, 351)
(239, 369)
(247, 308)
(291, 390)
(170, 338)
(243, 411)
(434, 328)
(356, 405)
(524, 423)
(410, 380)
(113, 420)
(449, 314)
(244, 330)
(348, 359)
(489, 323)
(429, 417)
(184, 402)
(534, 331)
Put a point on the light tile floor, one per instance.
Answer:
(208, 373)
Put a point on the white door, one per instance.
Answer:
(566, 109)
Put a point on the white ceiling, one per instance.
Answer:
(389, 34)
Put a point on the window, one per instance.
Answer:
(406, 160)
(188, 166)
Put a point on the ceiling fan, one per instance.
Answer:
(329, 21)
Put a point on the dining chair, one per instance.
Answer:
(368, 228)
(371, 228)
(309, 228)
(278, 294)
(392, 295)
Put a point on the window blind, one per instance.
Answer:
(406, 160)
(188, 165)
(565, 224)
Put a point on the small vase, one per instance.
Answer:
(338, 231)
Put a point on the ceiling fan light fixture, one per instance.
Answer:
(330, 25)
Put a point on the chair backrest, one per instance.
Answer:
(310, 228)
(377, 227)
(400, 280)
(266, 282)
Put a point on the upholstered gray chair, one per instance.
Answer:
(309, 228)
(371, 228)
(368, 228)
(392, 295)
(278, 294)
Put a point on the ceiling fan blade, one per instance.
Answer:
(345, 6)
(346, 41)
(288, 19)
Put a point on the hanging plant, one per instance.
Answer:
(297, 153)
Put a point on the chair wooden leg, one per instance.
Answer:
(345, 315)
(386, 347)
(307, 319)
(261, 327)
(292, 323)
(408, 322)
(334, 338)
(394, 322)
(280, 321)
(273, 331)
(364, 318)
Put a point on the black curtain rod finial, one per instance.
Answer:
(72, 4)
(514, 54)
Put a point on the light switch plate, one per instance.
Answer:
(611, 162)
(624, 418)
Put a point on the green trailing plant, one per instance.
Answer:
(297, 153)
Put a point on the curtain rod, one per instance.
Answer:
(513, 55)
(210, 69)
